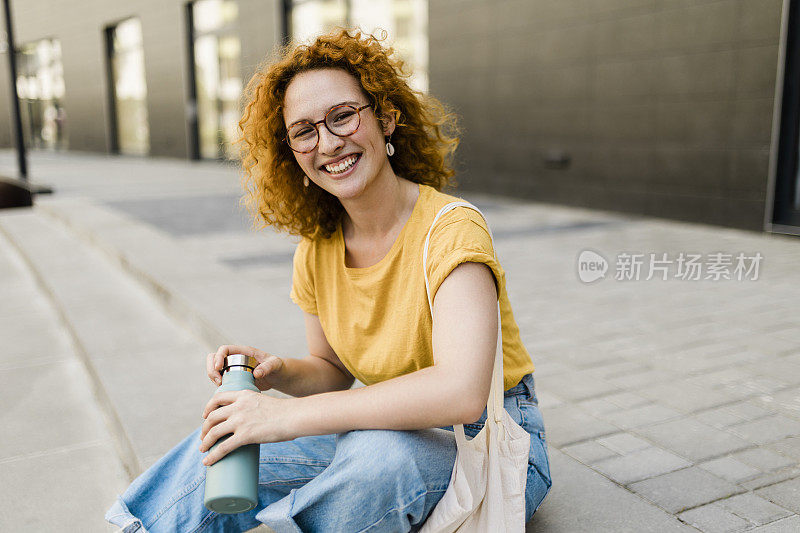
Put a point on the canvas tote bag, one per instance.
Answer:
(486, 493)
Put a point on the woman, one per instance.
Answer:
(339, 149)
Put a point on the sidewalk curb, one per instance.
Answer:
(119, 436)
(175, 306)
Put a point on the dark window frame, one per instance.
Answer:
(786, 177)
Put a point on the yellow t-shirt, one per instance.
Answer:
(377, 318)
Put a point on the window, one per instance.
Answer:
(129, 90)
(218, 82)
(405, 21)
(40, 84)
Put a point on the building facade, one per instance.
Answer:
(679, 109)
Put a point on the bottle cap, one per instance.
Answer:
(239, 362)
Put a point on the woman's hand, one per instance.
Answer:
(249, 416)
(266, 373)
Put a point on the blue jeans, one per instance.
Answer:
(362, 480)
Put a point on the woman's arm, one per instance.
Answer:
(452, 391)
(321, 371)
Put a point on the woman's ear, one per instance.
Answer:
(388, 122)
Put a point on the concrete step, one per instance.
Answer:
(124, 339)
(55, 438)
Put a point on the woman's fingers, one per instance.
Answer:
(224, 448)
(213, 373)
(214, 434)
(220, 399)
(215, 417)
(271, 365)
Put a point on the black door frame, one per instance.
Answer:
(111, 93)
(785, 216)
(193, 135)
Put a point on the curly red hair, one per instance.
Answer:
(425, 137)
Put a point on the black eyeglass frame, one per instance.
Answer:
(316, 124)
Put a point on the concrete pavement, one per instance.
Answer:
(669, 405)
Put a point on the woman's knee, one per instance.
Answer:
(425, 457)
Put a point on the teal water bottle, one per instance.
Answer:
(232, 482)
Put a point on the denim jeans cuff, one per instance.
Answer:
(120, 516)
(278, 515)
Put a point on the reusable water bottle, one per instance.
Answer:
(232, 482)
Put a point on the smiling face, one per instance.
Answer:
(343, 166)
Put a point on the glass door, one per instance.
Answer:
(40, 85)
(130, 126)
(218, 82)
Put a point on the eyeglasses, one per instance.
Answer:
(341, 120)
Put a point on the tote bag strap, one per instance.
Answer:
(494, 406)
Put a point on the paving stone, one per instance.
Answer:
(786, 401)
(786, 494)
(745, 391)
(692, 439)
(567, 424)
(719, 377)
(789, 524)
(602, 505)
(713, 519)
(730, 469)
(623, 443)
(589, 452)
(748, 410)
(719, 418)
(684, 397)
(618, 368)
(577, 386)
(640, 464)
(643, 415)
(626, 400)
(753, 508)
(729, 415)
(761, 385)
(641, 379)
(763, 459)
(771, 478)
(546, 399)
(765, 430)
(701, 362)
(598, 406)
(546, 368)
(684, 489)
(789, 446)
(780, 368)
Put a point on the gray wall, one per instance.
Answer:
(79, 26)
(665, 107)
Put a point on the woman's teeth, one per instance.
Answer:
(342, 166)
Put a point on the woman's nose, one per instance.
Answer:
(328, 142)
